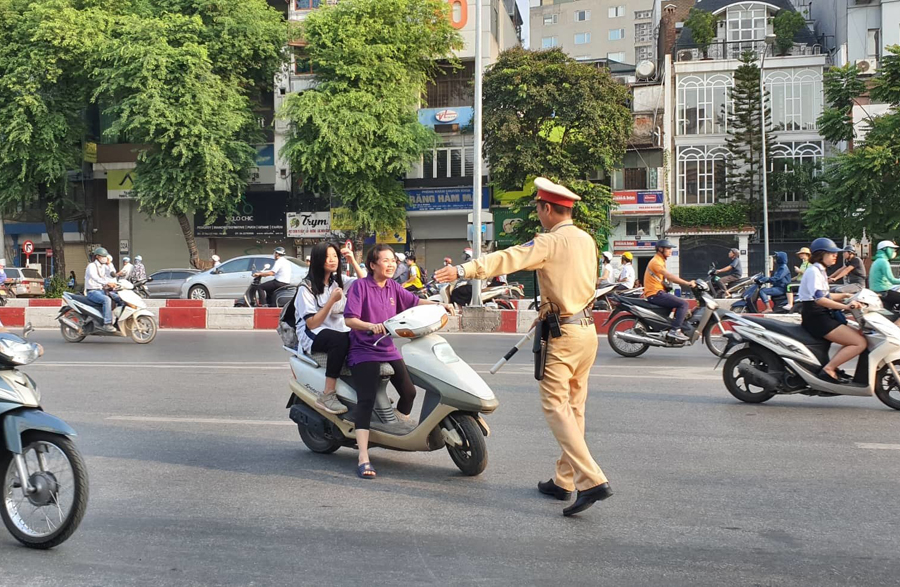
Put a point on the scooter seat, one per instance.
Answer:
(86, 300)
(321, 360)
(648, 305)
(795, 331)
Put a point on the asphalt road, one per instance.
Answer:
(199, 478)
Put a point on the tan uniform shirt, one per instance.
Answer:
(566, 262)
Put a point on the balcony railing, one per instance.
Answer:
(734, 49)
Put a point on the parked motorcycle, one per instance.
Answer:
(636, 324)
(455, 397)
(459, 294)
(140, 287)
(44, 479)
(79, 317)
(779, 358)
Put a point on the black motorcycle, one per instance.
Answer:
(635, 325)
(140, 287)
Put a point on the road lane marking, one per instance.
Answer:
(877, 446)
(200, 421)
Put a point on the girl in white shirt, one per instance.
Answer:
(319, 308)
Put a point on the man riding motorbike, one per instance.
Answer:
(881, 278)
(655, 289)
(281, 271)
(731, 272)
(140, 272)
(853, 270)
(98, 280)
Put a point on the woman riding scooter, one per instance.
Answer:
(881, 278)
(778, 281)
(822, 312)
(370, 302)
(319, 309)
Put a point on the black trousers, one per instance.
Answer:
(335, 344)
(264, 289)
(366, 380)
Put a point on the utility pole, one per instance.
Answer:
(476, 180)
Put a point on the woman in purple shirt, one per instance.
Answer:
(370, 302)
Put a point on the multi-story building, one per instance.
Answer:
(619, 31)
(699, 106)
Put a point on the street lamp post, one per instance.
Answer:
(762, 126)
(476, 179)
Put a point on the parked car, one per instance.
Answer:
(232, 278)
(167, 282)
(24, 282)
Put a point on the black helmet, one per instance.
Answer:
(824, 244)
(850, 249)
(664, 244)
(410, 255)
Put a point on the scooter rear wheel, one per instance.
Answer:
(737, 384)
(317, 443)
(623, 324)
(70, 334)
(471, 457)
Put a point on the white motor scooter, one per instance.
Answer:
(79, 317)
(455, 396)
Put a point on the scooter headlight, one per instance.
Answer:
(18, 352)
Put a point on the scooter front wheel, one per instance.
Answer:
(886, 388)
(50, 514)
(471, 456)
(143, 329)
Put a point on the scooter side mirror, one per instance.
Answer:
(27, 330)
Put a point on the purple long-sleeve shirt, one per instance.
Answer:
(370, 302)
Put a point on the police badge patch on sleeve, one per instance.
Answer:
(529, 244)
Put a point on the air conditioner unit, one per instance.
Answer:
(866, 66)
(685, 55)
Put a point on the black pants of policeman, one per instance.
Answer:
(264, 290)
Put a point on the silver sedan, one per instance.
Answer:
(232, 278)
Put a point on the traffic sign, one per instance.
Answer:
(49, 252)
(348, 244)
(28, 247)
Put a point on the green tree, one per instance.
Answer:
(786, 25)
(842, 86)
(703, 27)
(356, 132)
(745, 135)
(863, 186)
(43, 93)
(545, 114)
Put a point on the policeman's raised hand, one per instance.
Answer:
(445, 274)
(336, 295)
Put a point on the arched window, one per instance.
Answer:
(789, 159)
(701, 174)
(703, 104)
(795, 98)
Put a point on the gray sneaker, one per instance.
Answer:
(107, 328)
(330, 403)
(678, 336)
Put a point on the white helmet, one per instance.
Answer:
(887, 244)
(401, 256)
(215, 257)
(126, 259)
(138, 258)
(607, 255)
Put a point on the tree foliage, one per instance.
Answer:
(42, 97)
(863, 185)
(745, 135)
(787, 23)
(357, 131)
(703, 27)
(841, 86)
(547, 115)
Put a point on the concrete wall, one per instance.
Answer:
(598, 26)
(890, 18)
(859, 21)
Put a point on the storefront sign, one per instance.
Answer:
(260, 214)
(446, 115)
(342, 219)
(119, 184)
(634, 202)
(308, 224)
(634, 245)
(445, 199)
(505, 222)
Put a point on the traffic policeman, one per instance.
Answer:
(569, 294)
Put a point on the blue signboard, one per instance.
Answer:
(442, 199)
(461, 115)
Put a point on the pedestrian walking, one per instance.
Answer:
(571, 343)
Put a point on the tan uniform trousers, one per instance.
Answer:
(563, 395)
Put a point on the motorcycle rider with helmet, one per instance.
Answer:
(98, 280)
(140, 272)
(281, 271)
(778, 281)
(822, 312)
(732, 272)
(655, 289)
(881, 278)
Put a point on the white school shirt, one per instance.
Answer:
(307, 304)
(627, 274)
(96, 276)
(814, 284)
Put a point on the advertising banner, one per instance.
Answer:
(119, 183)
(260, 214)
(308, 224)
(639, 202)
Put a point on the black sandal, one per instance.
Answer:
(824, 376)
(366, 471)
